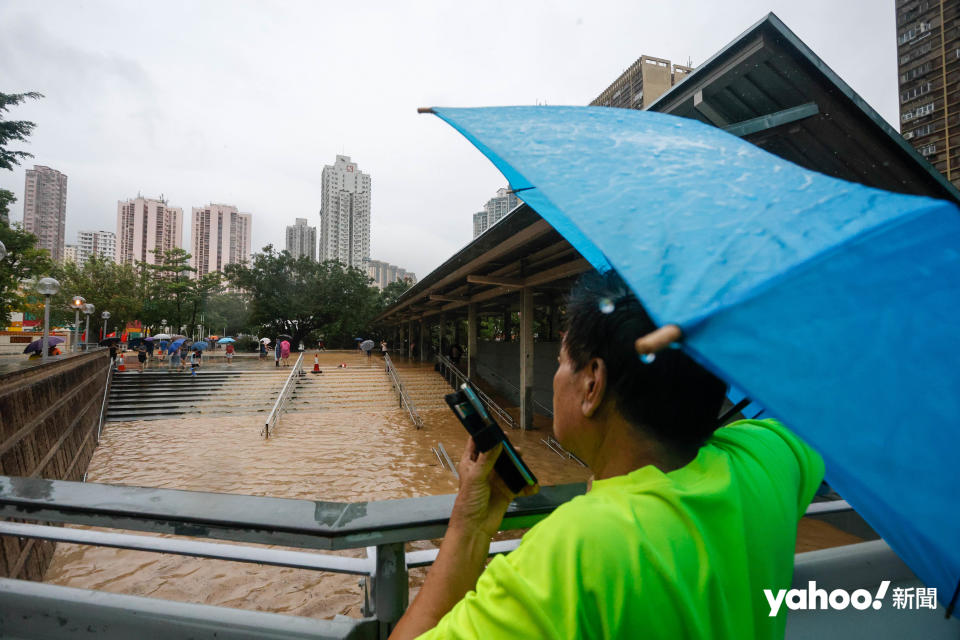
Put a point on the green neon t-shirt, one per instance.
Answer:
(685, 554)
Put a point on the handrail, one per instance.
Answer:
(103, 404)
(402, 395)
(282, 398)
(545, 409)
(488, 402)
(382, 527)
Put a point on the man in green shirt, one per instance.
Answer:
(684, 525)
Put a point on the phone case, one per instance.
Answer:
(487, 434)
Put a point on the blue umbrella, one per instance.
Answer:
(831, 304)
(176, 344)
(37, 345)
(199, 344)
(225, 340)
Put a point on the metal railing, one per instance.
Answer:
(381, 527)
(547, 411)
(106, 399)
(558, 449)
(402, 396)
(283, 397)
(455, 378)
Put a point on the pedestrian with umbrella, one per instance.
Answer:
(276, 353)
(228, 350)
(285, 352)
(35, 348)
(366, 347)
(263, 348)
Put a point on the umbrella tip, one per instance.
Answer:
(647, 346)
(424, 109)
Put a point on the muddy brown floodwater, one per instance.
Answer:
(347, 452)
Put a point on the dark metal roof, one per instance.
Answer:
(768, 87)
(522, 249)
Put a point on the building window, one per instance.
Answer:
(916, 92)
(928, 149)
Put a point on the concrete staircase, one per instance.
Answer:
(156, 395)
(425, 387)
(355, 388)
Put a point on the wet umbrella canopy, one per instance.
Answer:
(366, 345)
(830, 303)
(37, 345)
(225, 340)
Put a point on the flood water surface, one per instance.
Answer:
(343, 440)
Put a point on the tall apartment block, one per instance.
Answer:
(45, 208)
(345, 213)
(302, 240)
(71, 253)
(642, 83)
(383, 273)
(99, 243)
(145, 226)
(497, 207)
(928, 56)
(220, 235)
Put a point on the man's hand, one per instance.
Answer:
(482, 500)
(483, 497)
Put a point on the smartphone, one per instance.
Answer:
(487, 434)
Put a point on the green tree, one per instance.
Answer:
(306, 299)
(24, 264)
(11, 130)
(24, 261)
(109, 286)
(392, 292)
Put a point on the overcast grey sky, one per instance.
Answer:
(244, 102)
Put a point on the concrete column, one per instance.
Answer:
(441, 348)
(410, 338)
(507, 322)
(526, 358)
(423, 338)
(471, 339)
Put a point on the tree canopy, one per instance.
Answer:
(307, 300)
(11, 130)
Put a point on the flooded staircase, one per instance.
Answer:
(425, 386)
(361, 386)
(157, 395)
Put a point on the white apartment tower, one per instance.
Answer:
(220, 235)
(145, 226)
(45, 208)
(498, 206)
(345, 214)
(383, 273)
(302, 240)
(99, 243)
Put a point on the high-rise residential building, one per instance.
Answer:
(384, 273)
(45, 208)
(498, 206)
(302, 240)
(928, 58)
(220, 235)
(145, 226)
(345, 213)
(98, 243)
(642, 83)
(71, 253)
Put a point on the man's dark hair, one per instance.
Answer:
(672, 397)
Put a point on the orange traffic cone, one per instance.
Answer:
(316, 364)
(120, 365)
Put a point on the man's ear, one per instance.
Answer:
(594, 386)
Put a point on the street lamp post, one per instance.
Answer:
(88, 310)
(77, 303)
(106, 322)
(46, 287)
